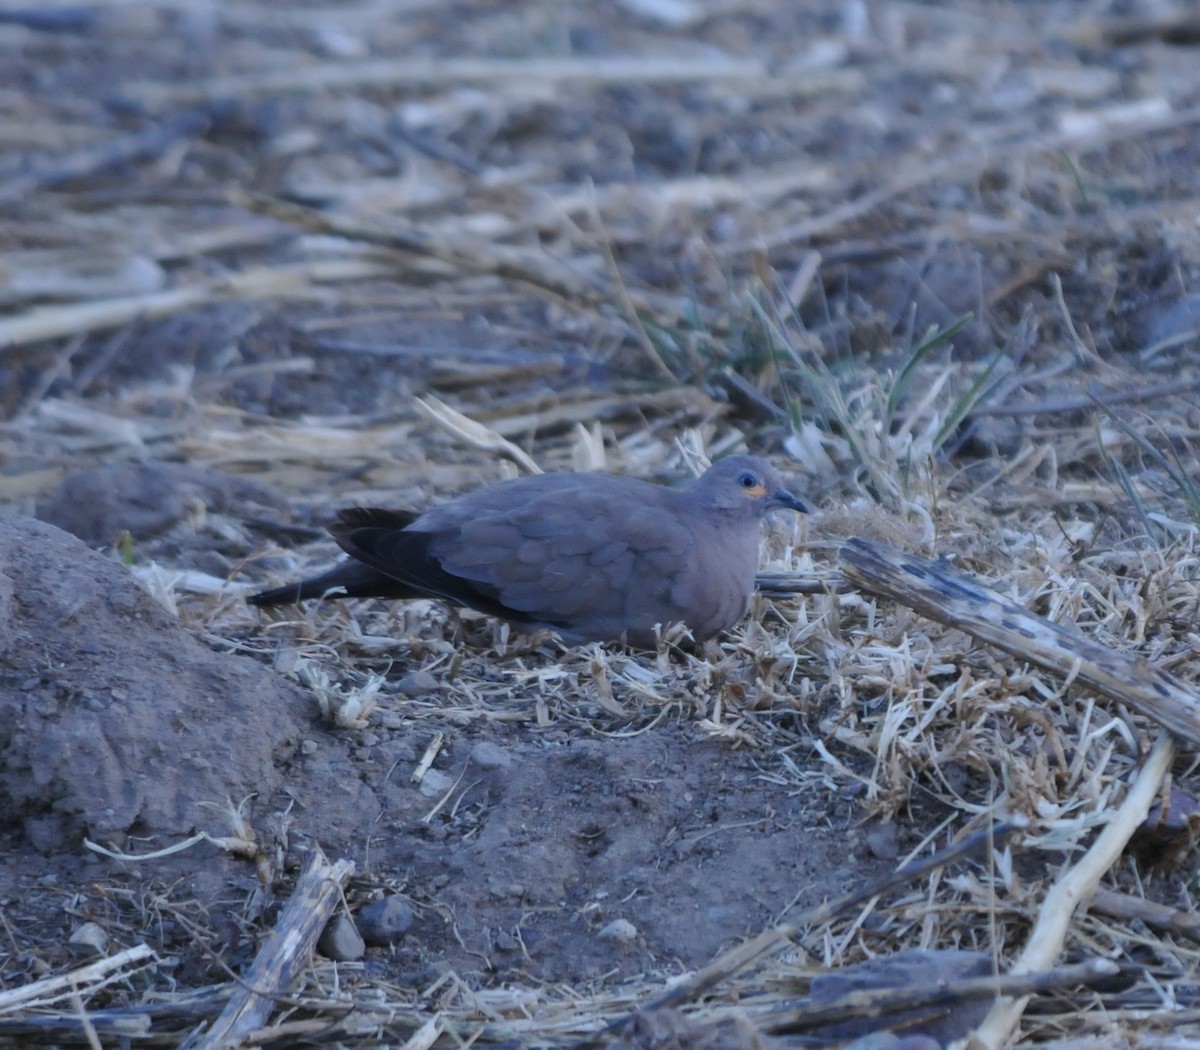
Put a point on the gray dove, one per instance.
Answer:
(593, 557)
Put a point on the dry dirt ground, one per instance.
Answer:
(940, 262)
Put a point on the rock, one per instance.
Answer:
(487, 755)
(881, 1040)
(882, 839)
(47, 832)
(435, 783)
(417, 683)
(122, 719)
(622, 931)
(340, 940)
(89, 941)
(506, 942)
(385, 921)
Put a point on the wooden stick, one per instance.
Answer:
(1138, 909)
(880, 1002)
(785, 584)
(937, 591)
(742, 74)
(1074, 887)
(48, 989)
(260, 282)
(284, 954)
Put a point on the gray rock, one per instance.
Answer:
(882, 839)
(417, 683)
(506, 942)
(385, 921)
(621, 931)
(340, 940)
(435, 783)
(89, 941)
(487, 755)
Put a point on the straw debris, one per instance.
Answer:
(940, 271)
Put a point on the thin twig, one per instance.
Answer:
(99, 973)
(879, 1002)
(265, 282)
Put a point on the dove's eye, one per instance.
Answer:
(748, 480)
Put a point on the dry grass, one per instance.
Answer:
(1084, 511)
(945, 725)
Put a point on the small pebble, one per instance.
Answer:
(487, 755)
(340, 940)
(89, 940)
(435, 783)
(385, 921)
(506, 942)
(335, 42)
(620, 930)
(417, 683)
(882, 840)
(882, 1040)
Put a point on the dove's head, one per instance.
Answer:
(745, 486)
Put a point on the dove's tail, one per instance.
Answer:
(350, 579)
